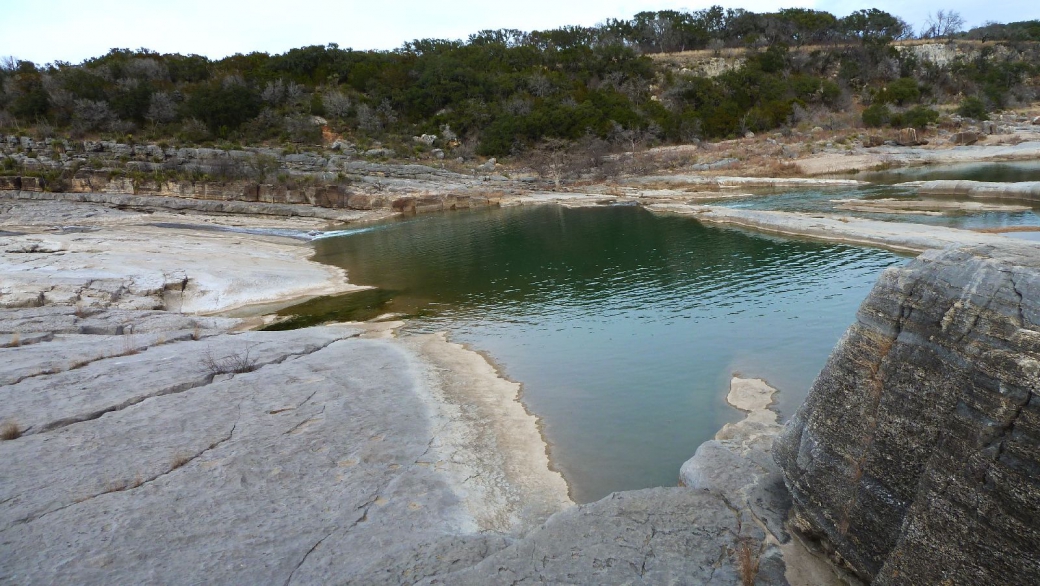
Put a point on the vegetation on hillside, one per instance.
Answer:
(506, 91)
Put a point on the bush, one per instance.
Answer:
(973, 108)
(916, 117)
(901, 91)
(222, 108)
(877, 116)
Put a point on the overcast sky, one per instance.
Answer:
(73, 30)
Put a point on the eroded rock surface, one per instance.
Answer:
(322, 462)
(651, 536)
(336, 454)
(916, 453)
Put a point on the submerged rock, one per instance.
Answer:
(916, 452)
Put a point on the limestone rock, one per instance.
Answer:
(652, 536)
(916, 453)
(738, 464)
(332, 461)
(908, 137)
(1024, 190)
(965, 137)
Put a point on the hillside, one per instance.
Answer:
(658, 78)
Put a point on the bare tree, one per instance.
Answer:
(942, 25)
(90, 115)
(161, 109)
(336, 104)
(368, 120)
(274, 92)
(551, 160)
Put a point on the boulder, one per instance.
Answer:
(966, 137)
(916, 455)
(908, 137)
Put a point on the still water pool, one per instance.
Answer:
(624, 327)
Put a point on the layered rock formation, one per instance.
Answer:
(261, 178)
(916, 453)
(1024, 190)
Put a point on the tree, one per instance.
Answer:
(942, 25)
(161, 109)
(223, 108)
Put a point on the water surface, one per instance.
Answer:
(624, 327)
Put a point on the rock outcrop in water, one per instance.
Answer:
(916, 453)
(1023, 190)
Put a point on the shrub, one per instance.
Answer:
(10, 430)
(876, 116)
(223, 108)
(916, 117)
(901, 91)
(973, 108)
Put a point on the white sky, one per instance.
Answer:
(73, 30)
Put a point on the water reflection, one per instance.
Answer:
(623, 326)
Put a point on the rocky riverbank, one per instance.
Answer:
(135, 430)
(915, 454)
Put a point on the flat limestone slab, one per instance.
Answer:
(339, 459)
(144, 267)
(88, 388)
(895, 236)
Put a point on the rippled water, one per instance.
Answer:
(624, 327)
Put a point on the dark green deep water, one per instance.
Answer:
(623, 327)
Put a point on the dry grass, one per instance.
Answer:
(79, 363)
(10, 430)
(129, 342)
(236, 363)
(179, 460)
(778, 168)
(747, 561)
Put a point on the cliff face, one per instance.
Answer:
(917, 452)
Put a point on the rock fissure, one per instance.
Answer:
(129, 486)
(1021, 299)
(310, 419)
(307, 555)
(871, 419)
(171, 390)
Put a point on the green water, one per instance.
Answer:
(623, 327)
